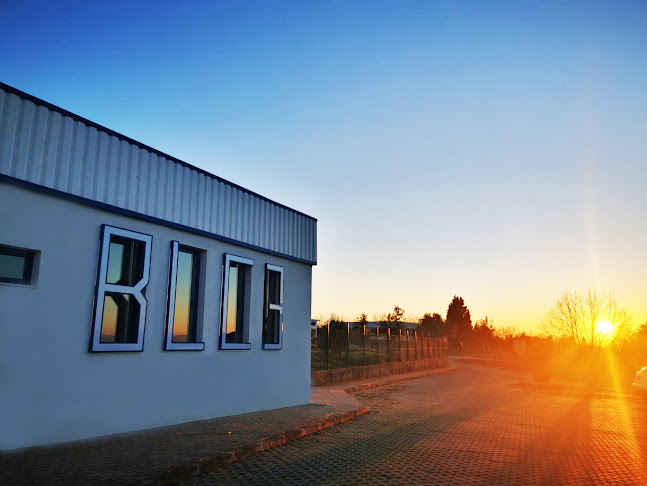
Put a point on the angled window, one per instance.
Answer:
(182, 319)
(120, 305)
(273, 308)
(17, 265)
(234, 333)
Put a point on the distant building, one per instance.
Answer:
(136, 290)
(314, 324)
(411, 326)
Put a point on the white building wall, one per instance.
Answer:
(52, 389)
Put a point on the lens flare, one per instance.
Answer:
(605, 327)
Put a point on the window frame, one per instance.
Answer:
(245, 345)
(102, 288)
(29, 266)
(268, 306)
(169, 344)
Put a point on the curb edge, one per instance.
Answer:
(211, 464)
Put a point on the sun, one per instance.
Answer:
(605, 327)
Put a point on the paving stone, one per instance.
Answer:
(469, 427)
(165, 455)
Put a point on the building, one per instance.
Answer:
(136, 290)
(314, 324)
(405, 326)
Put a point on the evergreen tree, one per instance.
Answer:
(459, 321)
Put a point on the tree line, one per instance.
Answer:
(584, 336)
(456, 325)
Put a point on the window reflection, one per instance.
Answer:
(12, 267)
(16, 265)
(236, 302)
(120, 318)
(186, 297)
(125, 261)
(274, 287)
(120, 304)
(234, 331)
(273, 309)
(272, 327)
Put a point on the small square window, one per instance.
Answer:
(182, 318)
(273, 308)
(234, 333)
(16, 265)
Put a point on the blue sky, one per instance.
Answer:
(493, 150)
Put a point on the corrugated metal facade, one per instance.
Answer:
(47, 146)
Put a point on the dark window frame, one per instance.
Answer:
(244, 290)
(269, 306)
(195, 344)
(28, 267)
(136, 291)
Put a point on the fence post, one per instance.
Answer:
(428, 347)
(415, 345)
(406, 334)
(422, 345)
(399, 344)
(364, 344)
(377, 343)
(327, 342)
(348, 345)
(388, 344)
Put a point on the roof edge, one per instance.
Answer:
(144, 217)
(120, 136)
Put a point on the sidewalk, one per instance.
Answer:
(168, 455)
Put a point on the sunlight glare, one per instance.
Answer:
(605, 327)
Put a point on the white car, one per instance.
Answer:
(640, 383)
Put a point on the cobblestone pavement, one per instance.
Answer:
(166, 455)
(159, 456)
(471, 426)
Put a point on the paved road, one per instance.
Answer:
(469, 426)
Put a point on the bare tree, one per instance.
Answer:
(507, 332)
(395, 319)
(583, 317)
(397, 316)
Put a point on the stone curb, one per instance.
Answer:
(211, 464)
(208, 465)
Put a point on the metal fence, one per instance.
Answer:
(343, 346)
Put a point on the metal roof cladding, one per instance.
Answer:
(50, 149)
